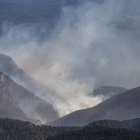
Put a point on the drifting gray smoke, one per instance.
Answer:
(92, 45)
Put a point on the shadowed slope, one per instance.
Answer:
(120, 107)
(31, 105)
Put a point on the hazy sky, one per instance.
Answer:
(92, 45)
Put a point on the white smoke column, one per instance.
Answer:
(92, 45)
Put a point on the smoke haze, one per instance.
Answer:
(93, 45)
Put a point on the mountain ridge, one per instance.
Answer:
(128, 108)
(106, 92)
(34, 107)
(10, 68)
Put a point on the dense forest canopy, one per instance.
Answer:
(101, 130)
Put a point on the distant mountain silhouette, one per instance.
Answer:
(108, 91)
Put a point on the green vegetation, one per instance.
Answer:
(101, 130)
(19, 130)
(98, 133)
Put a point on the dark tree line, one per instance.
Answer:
(19, 130)
(101, 130)
(98, 133)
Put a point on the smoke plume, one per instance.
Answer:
(92, 45)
